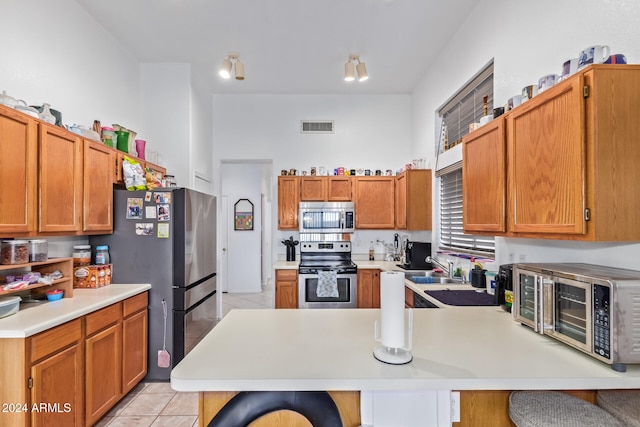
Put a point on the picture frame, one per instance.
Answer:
(243, 215)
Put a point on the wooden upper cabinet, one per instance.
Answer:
(548, 163)
(325, 188)
(567, 168)
(484, 177)
(288, 200)
(60, 173)
(375, 202)
(413, 200)
(18, 180)
(339, 188)
(98, 187)
(313, 189)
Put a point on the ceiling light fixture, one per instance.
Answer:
(225, 68)
(349, 72)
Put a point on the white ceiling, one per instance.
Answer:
(289, 46)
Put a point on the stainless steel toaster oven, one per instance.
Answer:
(592, 308)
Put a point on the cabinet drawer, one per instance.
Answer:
(54, 340)
(103, 318)
(286, 275)
(135, 303)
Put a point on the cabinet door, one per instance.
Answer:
(401, 201)
(288, 199)
(103, 364)
(375, 202)
(134, 349)
(313, 189)
(368, 288)
(365, 288)
(58, 383)
(286, 289)
(418, 199)
(375, 289)
(60, 173)
(98, 187)
(18, 178)
(408, 298)
(547, 158)
(484, 174)
(339, 189)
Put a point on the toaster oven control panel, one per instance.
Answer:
(601, 321)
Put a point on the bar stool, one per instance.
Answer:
(555, 409)
(622, 404)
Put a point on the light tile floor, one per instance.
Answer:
(156, 404)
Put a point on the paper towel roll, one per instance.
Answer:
(392, 308)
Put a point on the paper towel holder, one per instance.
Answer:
(394, 355)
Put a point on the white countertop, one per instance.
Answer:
(35, 318)
(460, 348)
(389, 266)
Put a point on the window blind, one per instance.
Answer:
(452, 237)
(466, 105)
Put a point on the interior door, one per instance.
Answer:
(223, 233)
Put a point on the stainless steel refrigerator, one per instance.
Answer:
(167, 237)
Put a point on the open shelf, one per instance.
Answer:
(65, 265)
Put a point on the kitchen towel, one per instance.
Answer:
(327, 284)
(392, 309)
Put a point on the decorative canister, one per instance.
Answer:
(140, 144)
(108, 136)
(123, 141)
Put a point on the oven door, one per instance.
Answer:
(347, 292)
(567, 311)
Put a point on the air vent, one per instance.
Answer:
(317, 126)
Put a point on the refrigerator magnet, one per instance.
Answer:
(147, 196)
(144, 229)
(163, 231)
(134, 208)
(163, 198)
(164, 212)
(150, 211)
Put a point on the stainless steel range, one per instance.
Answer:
(327, 278)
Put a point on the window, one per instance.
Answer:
(462, 109)
(466, 107)
(452, 237)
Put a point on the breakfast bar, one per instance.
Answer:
(479, 351)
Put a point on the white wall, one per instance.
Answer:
(527, 41)
(372, 132)
(166, 110)
(54, 52)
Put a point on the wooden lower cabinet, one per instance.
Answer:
(103, 361)
(56, 376)
(72, 374)
(368, 288)
(286, 288)
(134, 341)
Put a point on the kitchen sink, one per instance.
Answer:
(430, 278)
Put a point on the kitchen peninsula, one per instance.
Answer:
(479, 351)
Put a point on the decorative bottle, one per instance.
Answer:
(46, 114)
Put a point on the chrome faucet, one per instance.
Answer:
(447, 269)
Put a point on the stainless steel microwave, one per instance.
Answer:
(592, 308)
(327, 217)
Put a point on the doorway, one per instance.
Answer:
(246, 254)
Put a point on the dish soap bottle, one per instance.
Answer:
(371, 251)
